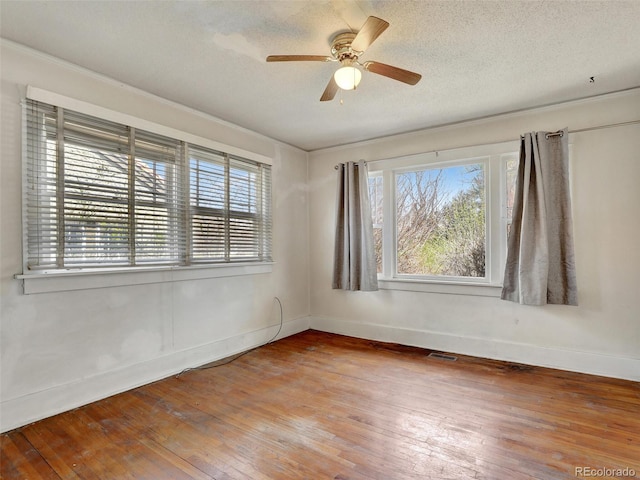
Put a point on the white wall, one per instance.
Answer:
(601, 336)
(61, 350)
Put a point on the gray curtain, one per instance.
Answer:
(540, 265)
(354, 262)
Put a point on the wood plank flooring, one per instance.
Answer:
(322, 406)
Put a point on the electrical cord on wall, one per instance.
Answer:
(228, 360)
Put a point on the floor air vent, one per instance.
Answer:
(443, 356)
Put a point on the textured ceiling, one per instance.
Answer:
(477, 58)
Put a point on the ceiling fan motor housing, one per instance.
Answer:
(341, 48)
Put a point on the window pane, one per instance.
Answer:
(96, 190)
(95, 232)
(152, 204)
(441, 221)
(157, 199)
(208, 202)
(376, 200)
(207, 180)
(510, 178)
(208, 237)
(41, 174)
(245, 220)
(243, 186)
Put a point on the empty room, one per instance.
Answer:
(324, 239)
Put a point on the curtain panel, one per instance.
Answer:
(540, 266)
(354, 263)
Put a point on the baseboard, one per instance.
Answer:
(26, 409)
(626, 368)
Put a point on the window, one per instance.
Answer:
(228, 205)
(103, 194)
(443, 217)
(440, 221)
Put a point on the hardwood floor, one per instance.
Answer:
(322, 406)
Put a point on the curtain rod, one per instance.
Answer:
(336, 167)
(560, 133)
(580, 130)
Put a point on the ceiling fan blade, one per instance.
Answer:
(371, 30)
(299, 58)
(396, 73)
(330, 91)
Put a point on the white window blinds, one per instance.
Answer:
(102, 194)
(230, 211)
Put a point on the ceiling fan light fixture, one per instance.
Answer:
(347, 77)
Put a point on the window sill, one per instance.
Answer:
(431, 286)
(61, 281)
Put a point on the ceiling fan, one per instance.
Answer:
(346, 48)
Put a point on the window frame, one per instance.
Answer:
(144, 272)
(494, 157)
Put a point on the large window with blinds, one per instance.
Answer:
(104, 194)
